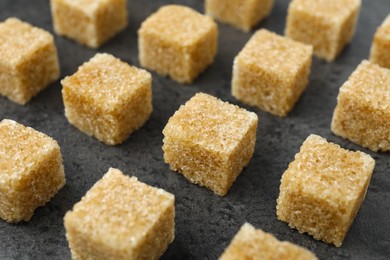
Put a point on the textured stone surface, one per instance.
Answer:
(205, 223)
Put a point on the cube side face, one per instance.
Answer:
(251, 243)
(361, 124)
(169, 48)
(110, 19)
(238, 14)
(37, 72)
(337, 29)
(28, 181)
(380, 49)
(134, 221)
(74, 23)
(323, 188)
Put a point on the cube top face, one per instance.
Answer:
(210, 123)
(327, 172)
(334, 10)
(19, 40)
(119, 210)
(178, 24)
(369, 85)
(273, 53)
(106, 81)
(21, 149)
(251, 243)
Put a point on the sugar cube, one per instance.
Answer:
(328, 25)
(241, 14)
(251, 243)
(108, 98)
(177, 41)
(323, 189)
(362, 114)
(28, 60)
(271, 72)
(121, 218)
(91, 22)
(380, 49)
(31, 170)
(210, 141)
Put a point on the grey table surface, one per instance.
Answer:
(205, 223)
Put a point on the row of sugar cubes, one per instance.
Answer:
(206, 140)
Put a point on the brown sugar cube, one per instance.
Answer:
(271, 72)
(107, 98)
(28, 60)
(323, 188)
(380, 49)
(177, 41)
(362, 114)
(90, 22)
(210, 141)
(328, 25)
(251, 243)
(241, 14)
(121, 218)
(31, 170)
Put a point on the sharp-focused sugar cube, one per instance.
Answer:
(31, 170)
(91, 22)
(271, 72)
(380, 49)
(251, 243)
(121, 218)
(328, 25)
(210, 141)
(108, 98)
(241, 14)
(362, 114)
(177, 41)
(323, 189)
(28, 60)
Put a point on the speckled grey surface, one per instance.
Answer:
(205, 223)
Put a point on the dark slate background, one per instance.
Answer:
(205, 223)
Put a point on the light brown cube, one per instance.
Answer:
(121, 218)
(362, 114)
(271, 72)
(323, 189)
(210, 141)
(328, 25)
(28, 60)
(107, 98)
(241, 14)
(90, 22)
(31, 170)
(251, 243)
(177, 41)
(380, 49)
